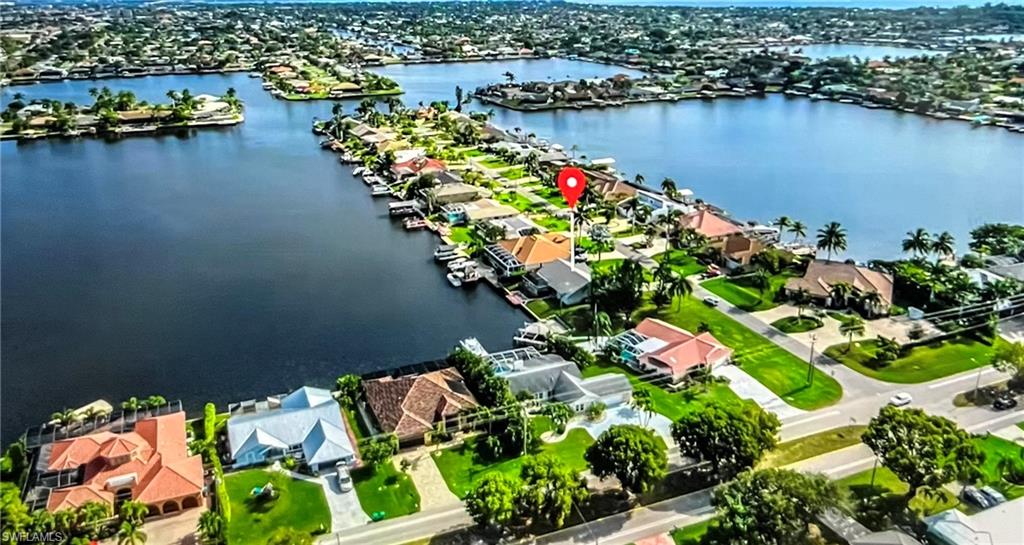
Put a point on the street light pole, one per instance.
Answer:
(810, 361)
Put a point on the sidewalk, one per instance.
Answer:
(434, 493)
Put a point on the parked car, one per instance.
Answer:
(1004, 402)
(900, 399)
(993, 495)
(972, 495)
(712, 301)
(344, 479)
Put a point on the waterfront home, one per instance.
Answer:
(514, 256)
(654, 346)
(821, 276)
(417, 167)
(660, 204)
(410, 405)
(150, 464)
(306, 425)
(516, 226)
(739, 249)
(550, 378)
(715, 228)
(478, 210)
(558, 279)
(456, 193)
(999, 525)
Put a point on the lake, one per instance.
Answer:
(825, 51)
(224, 265)
(241, 262)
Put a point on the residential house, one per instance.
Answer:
(514, 256)
(999, 525)
(822, 276)
(456, 193)
(150, 464)
(559, 279)
(478, 210)
(417, 167)
(662, 348)
(714, 227)
(739, 249)
(660, 204)
(306, 424)
(410, 405)
(550, 378)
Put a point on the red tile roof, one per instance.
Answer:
(410, 405)
(683, 350)
(709, 224)
(152, 460)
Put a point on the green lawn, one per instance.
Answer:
(681, 262)
(514, 173)
(672, 405)
(921, 364)
(551, 223)
(794, 324)
(552, 195)
(356, 424)
(473, 153)
(515, 200)
(843, 317)
(462, 468)
(997, 448)
(386, 490)
(494, 162)
(461, 234)
(742, 294)
(300, 505)
(782, 372)
(692, 534)
(813, 445)
(887, 498)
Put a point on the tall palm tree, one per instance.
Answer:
(762, 280)
(639, 179)
(832, 238)
(944, 245)
(871, 301)
(840, 293)
(798, 229)
(783, 223)
(669, 221)
(133, 511)
(130, 534)
(918, 242)
(851, 327)
(668, 185)
(679, 287)
(65, 417)
(602, 324)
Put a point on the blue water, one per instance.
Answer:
(824, 51)
(864, 4)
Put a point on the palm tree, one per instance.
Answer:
(801, 298)
(832, 238)
(211, 527)
(643, 403)
(65, 417)
(762, 280)
(155, 401)
(133, 511)
(851, 327)
(871, 301)
(840, 292)
(602, 324)
(944, 245)
(783, 223)
(130, 534)
(918, 242)
(679, 287)
(639, 179)
(669, 221)
(509, 76)
(668, 185)
(798, 230)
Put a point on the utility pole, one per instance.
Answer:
(810, 361)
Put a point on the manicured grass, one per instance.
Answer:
(541, 307)
(813, 445)
(552, 195)
(551, 223)
(515, 200)
(514, 173)
(920, 364)
(681, 262)
(462, 468)
(692, 534)
(794, 324)
(887, 497)
(356, 424)
(1020, 425)
(843, 317)
(996, 449)
(300, 505)
(745, 296)
(780, 371)
(494, 162)
(672, 405)
(461, 234)
(385, 489)
(473, 153)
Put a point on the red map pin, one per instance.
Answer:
(571, 182)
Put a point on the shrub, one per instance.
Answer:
(596, 410)
(209, 422)
(1012, 470)
(569, 350)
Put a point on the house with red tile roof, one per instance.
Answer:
(150, 464)
(410, 405)
(660, 347)
(418, 167)
(716, 228)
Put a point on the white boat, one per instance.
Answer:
(454, 279)
(358, 171)
(458, 264)
(445, 249)
(380, 190)
(470, 274)
(414, 223)
(447, 257)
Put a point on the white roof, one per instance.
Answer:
(650, 345)
(999, 525)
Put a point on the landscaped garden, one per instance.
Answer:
(780, 371)
(515, 200)
(741, 291)
(494, 162)
(882, 499)
(672, 405)
(797, 324)
(294, 504)
(813, 445)
(681, 262)
(993, 473)
(919, 364)
(462, 466)
(384, 489)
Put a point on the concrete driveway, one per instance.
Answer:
(346, 512)
(748, 387)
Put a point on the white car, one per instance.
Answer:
(712, 301)
(344, 479)
(900, 399)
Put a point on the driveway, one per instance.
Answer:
(346, 512)
(624, 414)
(748, 387)
(174, 529)
(434, 492)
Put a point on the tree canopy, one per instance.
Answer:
(731, 438)
(632, 454)
(921, 449)
(494, 501)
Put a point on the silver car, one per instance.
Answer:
(344, 479)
